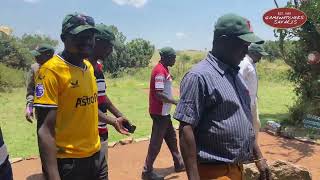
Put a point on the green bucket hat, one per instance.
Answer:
(76, 23)
(167, 52)
(42, 48)
(257, 48)
(105, 33)
(235, 25)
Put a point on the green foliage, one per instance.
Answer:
(15, 52)
(31, 41)
(10, 78)
(136, 53)
(307, 39)
(140, 52)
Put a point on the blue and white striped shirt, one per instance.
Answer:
(215, 101)
(3, 150)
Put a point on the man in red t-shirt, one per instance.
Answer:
(160, 101)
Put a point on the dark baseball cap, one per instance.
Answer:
(42, 48)
(167, 52)
(235, 25)
(257, 48)
(105, 33)
(76, 23)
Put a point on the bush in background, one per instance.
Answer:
(306, 39)
(10, 78)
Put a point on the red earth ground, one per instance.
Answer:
(126, 162)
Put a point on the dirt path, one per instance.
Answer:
(125, 162)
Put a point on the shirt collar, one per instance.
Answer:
(249, 59)
(221, 67)
(164, 66)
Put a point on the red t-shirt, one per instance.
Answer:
(161, 80)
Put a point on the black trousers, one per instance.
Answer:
(90, 168)
(162, 128)
(6, 170)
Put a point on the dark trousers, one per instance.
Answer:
(90, 168)
(6, 170)
(39, 124)
(162, 129)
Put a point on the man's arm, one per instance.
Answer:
(117, 123)
(164, 98)
(30, 96)
(261, 163)
(115, 111)
(47, 142)
(188, 150)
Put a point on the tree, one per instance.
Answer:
(31, 41)
(13, 53)
(136, 53)
(140, 52)
(302, 74)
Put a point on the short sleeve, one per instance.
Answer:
(159, 80)
(46, 89)
(191, 103)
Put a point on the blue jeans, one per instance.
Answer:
(6, 170)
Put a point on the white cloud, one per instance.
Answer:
(135, 3)
(168, 42)
(181, 35)
(31, 1)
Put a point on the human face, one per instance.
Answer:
(256, 57)
(81, 44)
(233, 49)
(44, 57)
(102, 49)
(169, 60)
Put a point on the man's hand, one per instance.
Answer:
(264, 170)
(29, 113)
(119, 125)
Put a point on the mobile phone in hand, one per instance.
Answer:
(131, 128)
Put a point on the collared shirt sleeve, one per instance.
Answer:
(30, 86)
(248, 73)
(191, 103)
(46, 89)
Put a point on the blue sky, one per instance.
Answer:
(182, 24)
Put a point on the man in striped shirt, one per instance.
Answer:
(216, 130)
(104, 42)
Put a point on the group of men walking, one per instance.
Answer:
(217, 109)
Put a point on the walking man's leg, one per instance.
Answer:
(171, 140)
(158, 131)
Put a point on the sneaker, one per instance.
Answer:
(151, 176)
(179, 168)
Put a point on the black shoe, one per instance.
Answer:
(179, 168)
(151, 176)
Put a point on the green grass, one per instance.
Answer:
(130, 95)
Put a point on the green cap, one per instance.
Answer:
(105, 33)
(235, 25)
(76, 23)
(257, 48)
(42, 48)
(167, 52)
